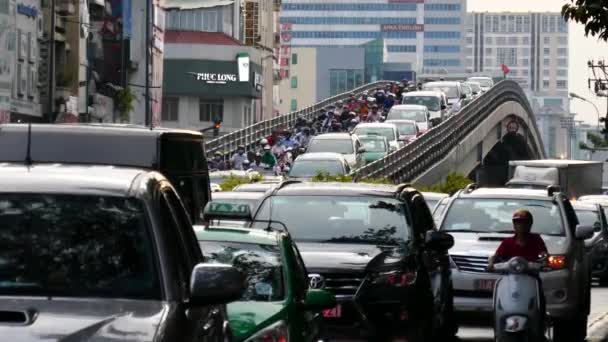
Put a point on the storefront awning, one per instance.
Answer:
(194, 4)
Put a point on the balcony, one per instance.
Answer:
(65, 7)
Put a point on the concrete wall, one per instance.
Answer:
(336, 58)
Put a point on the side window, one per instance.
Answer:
(439, 209)
(300, 275)
(346, 168)
(185, 231)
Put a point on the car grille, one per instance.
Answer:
(343, 284)
(471, 263)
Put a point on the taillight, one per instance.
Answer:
(556, 262)
(397, 279)
(274, 333)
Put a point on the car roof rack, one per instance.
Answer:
(552, 189)
(402, 186)
(471, 187)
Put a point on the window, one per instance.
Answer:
(211, 110)
(489, 40)
(511, 23)
(170, 109)
(442, 62)
(294, 104)
(469, 40)
(4, 7)
(349, 20)
(503, 23)
(545, 84)
(552, 141)
(96, 246)
(525, 62)
(546, 62)
(547, 51)
(31, 92)
(355, 34)
(524, 72)
(546, 72)
(20, 87)
(343, 80)
(444, 35)
(553, 102)
(547, 40)
(489, 51)
(552, 24)
(495, 24)
(507, 56)
(519, 26)
(562, 84)
(545, 23)
(349, 7)
(526, 23)
(513, 72)
(294, 59)
(562, 40)
(562, 52)
(294, 82)
(562, 62)
(501, 41)
(441, 21)
(401, 48)
(513, 40)
(442, 48)
(442, 7)
(562, 25)
(562, 72)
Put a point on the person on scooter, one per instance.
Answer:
(524, 243)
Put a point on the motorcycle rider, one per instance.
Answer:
(238, 158)
(374, 115)
(217, 162)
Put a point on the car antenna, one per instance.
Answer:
(28, 152)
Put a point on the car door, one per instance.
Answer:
(358, 156)
(580, 267)
(436, 263)
(200, 323)
(305, 323)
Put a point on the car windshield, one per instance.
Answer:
(387, 132)
(587, 217)
(431, 102)
(76, 246)
(310, 168)
(407, 114)
(484, 82)
(339, 219)
(406, 128)
(494, 215)
(474, 87)
(374, 145)
(261, 265)
(431, 203)
(342, 146)
(449, 91)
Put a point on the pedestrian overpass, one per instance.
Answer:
(479, 141)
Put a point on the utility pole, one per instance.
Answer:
(51, 63)
(147, 71)
(600, 87)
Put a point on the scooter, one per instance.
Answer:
(517, 308)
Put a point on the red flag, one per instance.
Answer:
(505, 69)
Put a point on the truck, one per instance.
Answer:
(575, 178)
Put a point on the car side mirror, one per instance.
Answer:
(463, 96)
(361, 150)
(584, 232)
(444, 107)
(597, 227)
(212, 284)
(318, 300)
(439, 241)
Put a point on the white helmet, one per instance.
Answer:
(264, 142)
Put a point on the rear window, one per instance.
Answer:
(451, 91)
(182, 155)
(386, 132)
(406, 114)
(76, 246)
(483, 215)
(342, 146)
(310, 168)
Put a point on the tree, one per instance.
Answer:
(591, 13)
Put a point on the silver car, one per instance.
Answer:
(346, 144)
(479, 219)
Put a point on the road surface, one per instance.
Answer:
(598, 321)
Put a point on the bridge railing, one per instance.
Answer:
(412, 160)
(250, 135)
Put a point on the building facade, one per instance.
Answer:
(421, 36)
(24, 40)
(7, 53)
(319, 73)
(534, 47)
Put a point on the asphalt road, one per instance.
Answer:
(598, 321)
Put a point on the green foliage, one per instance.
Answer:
(453, 182)
(591, 13)
(326, 177)
(233, 181)
(597, 141)
(124, 103)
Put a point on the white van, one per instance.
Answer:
(436, 102)
(485, 82)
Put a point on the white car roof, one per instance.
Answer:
(321, 156)
(409, 106)
(399, 121)
(375, 124)
(480, 78)
(442, 83)
(423, 93)
(333, 136)
(372, 137)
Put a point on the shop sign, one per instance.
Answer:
(28, 11)
(243, 63)
(215, 78)
(402, 27)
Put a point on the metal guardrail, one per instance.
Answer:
(415, 158)
(250, 135)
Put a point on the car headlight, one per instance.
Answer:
(397, 279)
(276, 332)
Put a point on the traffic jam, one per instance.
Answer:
(104, 243)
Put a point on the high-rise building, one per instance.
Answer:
(534, 48)
(421, 36)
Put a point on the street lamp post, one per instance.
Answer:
(575, 96)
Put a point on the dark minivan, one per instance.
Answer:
(178, 154)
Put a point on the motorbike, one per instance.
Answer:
(518, 313)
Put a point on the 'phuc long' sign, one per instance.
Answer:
(215, 78)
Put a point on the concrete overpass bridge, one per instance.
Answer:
(479, 141)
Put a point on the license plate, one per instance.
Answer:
(485, 284)
(333, 313)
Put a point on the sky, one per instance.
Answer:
(582, 49)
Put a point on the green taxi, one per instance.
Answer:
(375, 146)
(277, 304)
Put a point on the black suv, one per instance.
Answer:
(177, 154)
(376, 248)
(103, 253)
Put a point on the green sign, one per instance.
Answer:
(219, 209)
